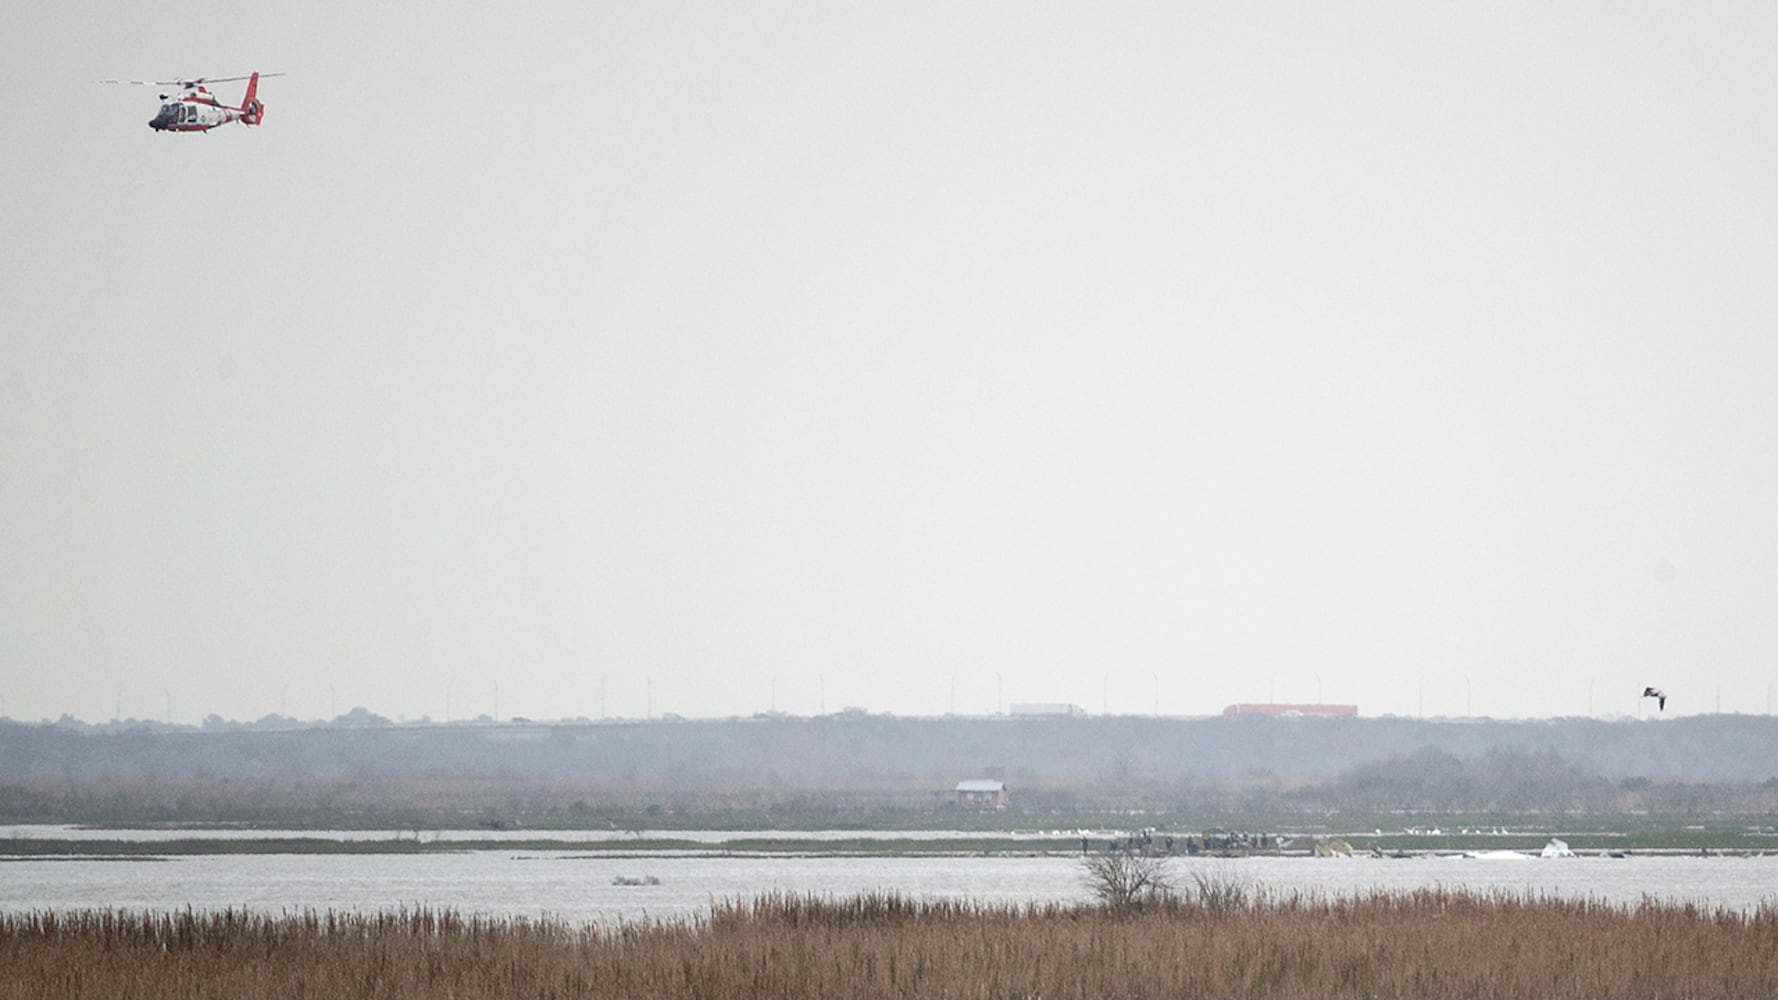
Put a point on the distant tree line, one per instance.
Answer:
(1428, 782)
(862, 769)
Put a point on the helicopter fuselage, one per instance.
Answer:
(192, 108)
(196, 112)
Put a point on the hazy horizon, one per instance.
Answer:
(1645, 711)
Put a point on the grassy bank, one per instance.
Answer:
(1428, 946)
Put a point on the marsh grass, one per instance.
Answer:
(1427, 945)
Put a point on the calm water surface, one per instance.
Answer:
(581, 888)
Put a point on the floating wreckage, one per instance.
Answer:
(1556, 848)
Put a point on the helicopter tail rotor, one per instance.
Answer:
(252, 111)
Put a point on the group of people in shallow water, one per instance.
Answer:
(1144, 842)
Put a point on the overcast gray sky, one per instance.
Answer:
(712, 358)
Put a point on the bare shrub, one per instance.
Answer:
(1125, 880)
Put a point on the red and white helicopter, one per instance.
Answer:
(195, 109)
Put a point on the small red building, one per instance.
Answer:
(1293, 711)
(981, 793)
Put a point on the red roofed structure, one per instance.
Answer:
(1294, 711)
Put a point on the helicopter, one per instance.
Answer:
(195, 109)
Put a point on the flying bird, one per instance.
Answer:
(1657, 694)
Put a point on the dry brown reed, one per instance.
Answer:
(1427, 945)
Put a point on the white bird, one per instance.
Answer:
(1657, 694)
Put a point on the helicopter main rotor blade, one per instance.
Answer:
(210, 79)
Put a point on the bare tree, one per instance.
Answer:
(1124, 880)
